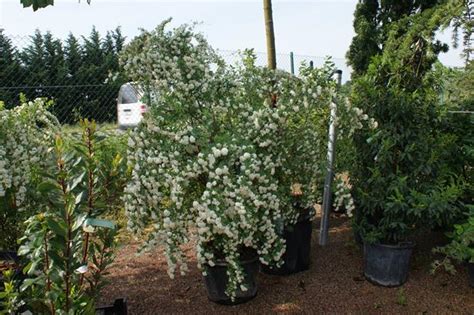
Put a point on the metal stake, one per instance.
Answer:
(323, 236)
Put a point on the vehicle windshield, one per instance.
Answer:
(128, 94)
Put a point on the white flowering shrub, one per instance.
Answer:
(218, 153)
(198, 168)
(26, 133)
(303, 104)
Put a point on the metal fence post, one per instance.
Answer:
(292, 63)
(323, 236)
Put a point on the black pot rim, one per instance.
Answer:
(223, 263)
(400, 245)
(8, 255)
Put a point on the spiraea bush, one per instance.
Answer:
(218, 152)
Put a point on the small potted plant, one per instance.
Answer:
(399, 181)
(202, 164)
(460, 249)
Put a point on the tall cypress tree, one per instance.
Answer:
(119, 39)
(112, 45)
(75, 74)
(73, 57)
(93, 57)
(94, 69)
(372, 22)
(108, 46)
(72, 95)
(33, 58)
(54, 60)
(10, 71)
(366, 42)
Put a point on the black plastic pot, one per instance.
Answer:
(118, 308)
(298, 247)
(470, 270)
(13, 258)
(216, 280)
(358, 238)
(387, 265)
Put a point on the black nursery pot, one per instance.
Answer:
(216, 280)
(358, 238)
(387, 265)
(298, 246)
(470, 270)
(13, 258)
(118, 308)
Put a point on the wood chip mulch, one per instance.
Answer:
(334, 284)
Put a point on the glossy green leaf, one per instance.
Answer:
(100, 223)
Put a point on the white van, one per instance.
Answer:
(130, 108)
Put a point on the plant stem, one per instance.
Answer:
(46, 268)
(67, 273)
(68, 253)
(99, 271)
(90, 196)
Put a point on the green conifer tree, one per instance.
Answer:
(372, 22)
(10, 71)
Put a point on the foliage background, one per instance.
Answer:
(81, 74)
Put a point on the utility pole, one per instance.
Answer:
(270, 34)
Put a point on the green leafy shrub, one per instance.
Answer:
(458, 123)
(461, 247)
(9, 296)
(67, 242)
(26, 133)
(400, 178)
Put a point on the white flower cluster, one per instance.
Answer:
(353, 118)
(343, 197)
(26, 132)
(226, 195)
(302, 105)
(218, 152)
(178, 62)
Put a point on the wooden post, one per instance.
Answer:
(270, 34)
(292, 63)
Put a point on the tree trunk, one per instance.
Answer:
(270, 34)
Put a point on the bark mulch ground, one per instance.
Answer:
(334, 284)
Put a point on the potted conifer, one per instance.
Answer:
(398, 179)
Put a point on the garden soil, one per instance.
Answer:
(333, 284)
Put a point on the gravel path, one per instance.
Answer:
(334, 284)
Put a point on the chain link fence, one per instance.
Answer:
(74, 73)
(288, 62)
(81, 75)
